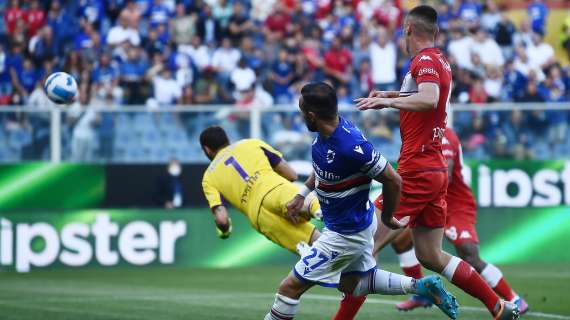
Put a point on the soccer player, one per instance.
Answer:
(255, 179)
(422, 101)
(459, 230)
(344, 165)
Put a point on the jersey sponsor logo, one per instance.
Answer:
(431, 71)
(451, 233)
(465, 235)
(323, 174)
(438, 133)
(425, 58)
(358, 149)
(330, 156)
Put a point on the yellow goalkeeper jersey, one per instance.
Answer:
(242, 174)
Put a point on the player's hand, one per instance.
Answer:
(373, 103)
(378, 94)
(394, 223)
(224, 234)
(294, 208)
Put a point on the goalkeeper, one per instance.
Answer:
(254, 178)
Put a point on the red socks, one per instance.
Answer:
(349, 306)
(504, 290)
(461, 274)
(414, 271)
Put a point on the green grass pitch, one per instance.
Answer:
(180, 293)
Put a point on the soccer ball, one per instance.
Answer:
(61, 88)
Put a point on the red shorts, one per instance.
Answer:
(460, 226)
(422, 199)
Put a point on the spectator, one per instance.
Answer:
(169, 191)
(281, 76)
(516, 131)
(123, 32)
(105, 78)
(12, 15)
(338, 63)
(222, 12)
(159, 13)
(131, 15)
(63, 24)
(27, 79)
(531, 94)
(383, 62)
(540, 53)
(459, 49)
(92, 12)
(537, 12)
(504, 36)
(469, 11)
(514, 83)
(182, 27)
(208, 90)
(525, 66)
(35, 18)
(167, 90)
(491, 16)
(42, 46)
(225, 60)
(5, 78)
(208, 28)
(239, 24)
(524, 36)
(487, 49)
(361, 50)
(277, 24)
(242, 77)
(477, 94)
(132, 73)
(493, 84)
(363, 84)
(199, 53)
(88, 43)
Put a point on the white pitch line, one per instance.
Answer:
(391, 302)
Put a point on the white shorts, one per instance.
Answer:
(335, 254)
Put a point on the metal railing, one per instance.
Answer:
(184, 123)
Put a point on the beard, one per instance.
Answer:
(311, 126)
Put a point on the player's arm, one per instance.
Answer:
(425, 100)
(284, 169)
(295, 206)
(391, 189)
(383, 94)
(277, 162)
(220, 212)
(223, 221)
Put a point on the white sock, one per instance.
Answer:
(283, 308)
(492, 275)
(450, 268)
(408, 259)
(384, 282)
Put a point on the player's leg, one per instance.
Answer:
(284, 233)
(287, 298)
(429, 252)
(469, 252)
(404, 247)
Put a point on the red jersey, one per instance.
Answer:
(459, 197)
(35, 20)
(422, 132)
(338, 60)
(11, 17)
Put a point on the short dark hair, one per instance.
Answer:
(320, 98)
(214, 137)
(424, 19)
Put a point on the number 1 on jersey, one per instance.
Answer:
(233, 162)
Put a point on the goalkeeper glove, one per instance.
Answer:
(224, 235)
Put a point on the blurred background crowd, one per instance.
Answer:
(175, 55)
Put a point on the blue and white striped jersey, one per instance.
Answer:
(344, 165)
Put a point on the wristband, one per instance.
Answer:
(304, 191)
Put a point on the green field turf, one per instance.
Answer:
(176, 293)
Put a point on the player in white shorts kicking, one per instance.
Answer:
(344, 165)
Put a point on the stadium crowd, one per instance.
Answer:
(166, 54)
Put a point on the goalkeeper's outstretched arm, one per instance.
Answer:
(223, 221)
